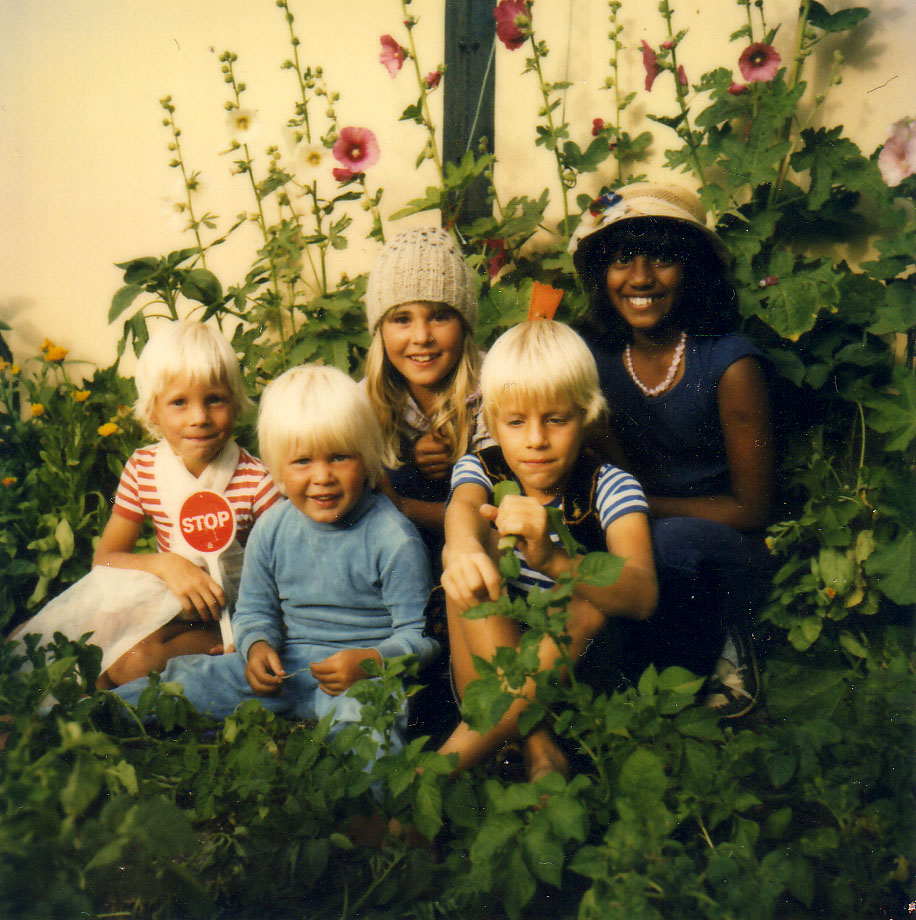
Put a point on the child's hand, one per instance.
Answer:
(525, 518)
(471, 577)
(431, 456)
(338, 672)
(264, 672)
(196, 590)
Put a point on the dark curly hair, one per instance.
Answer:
(708, 304)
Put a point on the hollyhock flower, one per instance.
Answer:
(897, 158)
(393, 55)
(343, 175)
(55, 354)
(736, 89)
(37, 410)
(650, 62)
(682, 75)
(759, 62)
(513, 22)
(668, 45)
(356, 148)
(80, 395)
(242, 125)
(597, 126)
(498, 257)
(107, 429)
(432, 79)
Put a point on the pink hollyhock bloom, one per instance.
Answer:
(597, 126)
(759, 62)
(897, 158)
(513, 22)
(392, 55)
(668, 45)
(682, 75)
(650, 62)
(343, 175)
(432, 79)
(498, 257)
(356, 148)
(736, 89)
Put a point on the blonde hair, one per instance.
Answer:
(538, 362)
(451, 418)
(317, 409)
(190, 349)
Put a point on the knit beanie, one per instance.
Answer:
(424, 264)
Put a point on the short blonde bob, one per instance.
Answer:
(188, 349)
(317, 410)
(537, 363)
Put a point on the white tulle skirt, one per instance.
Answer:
(120, 607)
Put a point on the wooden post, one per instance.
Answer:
(469, 90)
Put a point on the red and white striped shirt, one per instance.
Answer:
(250, 492)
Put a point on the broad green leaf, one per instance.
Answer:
(600, 569)
(504, 488)
(122, 299)
(836, 569)
(894, 567)
(852, 645)
(840, 21)
(642, 777)
(895, 415)
(63, 534)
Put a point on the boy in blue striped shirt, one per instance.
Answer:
(541, 395)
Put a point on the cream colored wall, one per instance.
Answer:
(83, 152)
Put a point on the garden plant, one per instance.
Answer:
(804, 809)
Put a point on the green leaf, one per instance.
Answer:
(852, 645)
(558, 526)
(599, 569)
(894, 567)
(122, 299)
(63, 534)
(895, 415)
(699, 722)
(504, 488)
(427, 813)
(642, 777)
(201, 285)
(840, 21)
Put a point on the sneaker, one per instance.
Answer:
(734, 685)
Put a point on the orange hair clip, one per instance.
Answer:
(544, 301)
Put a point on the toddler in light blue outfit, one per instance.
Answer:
(332, 577)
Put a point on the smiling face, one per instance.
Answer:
(423, 342)
(324, 485)
(196, 419)
(644, 289)
(540, 444)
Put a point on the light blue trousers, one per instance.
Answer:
(216, 685)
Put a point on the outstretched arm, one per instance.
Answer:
(744, 413)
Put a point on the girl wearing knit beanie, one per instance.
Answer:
(422, 370)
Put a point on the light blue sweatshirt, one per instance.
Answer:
(362, 582)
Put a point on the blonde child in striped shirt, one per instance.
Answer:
(145, 608)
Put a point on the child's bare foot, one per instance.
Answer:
(542, 756)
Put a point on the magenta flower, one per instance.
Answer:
(392, 55)
(498, 257)
(650, 62)
(736, 89)
(759, 62)
(897, 158)
(597, 126)
(668, 45)
(513, 22)
(343, 175)
(432, 79)
(682, 75)
(356, 148)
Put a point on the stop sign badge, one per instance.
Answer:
(207, 522)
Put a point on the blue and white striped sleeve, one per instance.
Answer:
(618, 493)
(470, 469)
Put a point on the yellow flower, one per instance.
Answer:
(4, 364)
(37, 410)
(15, 369)
(55, 354)
(107, 429)
(46, 344)
(80, 395)
(9, 481)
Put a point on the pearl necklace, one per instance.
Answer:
(669, 377)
